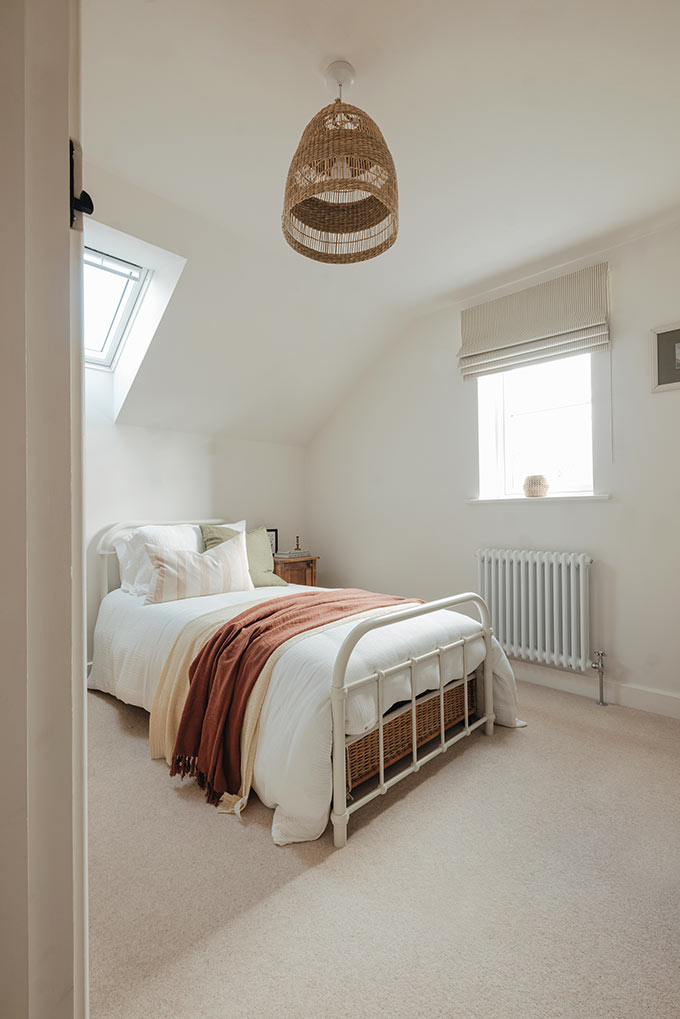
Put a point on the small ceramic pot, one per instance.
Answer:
(535, 486)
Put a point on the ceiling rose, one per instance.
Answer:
(341, 202)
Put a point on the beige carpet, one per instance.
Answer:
(533, 875)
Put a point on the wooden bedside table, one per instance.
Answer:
(296, 569)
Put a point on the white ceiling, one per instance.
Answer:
(518, 128)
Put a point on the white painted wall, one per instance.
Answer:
(390, 476)
(136, 473)
(263, 482)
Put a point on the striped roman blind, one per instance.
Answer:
(564, 316)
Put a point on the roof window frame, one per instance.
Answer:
(126, 311)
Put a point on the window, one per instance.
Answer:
(536, 420)
(113, 290)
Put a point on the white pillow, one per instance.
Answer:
(180, 574)
(135, 565)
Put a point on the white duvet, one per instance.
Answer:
(292, 771)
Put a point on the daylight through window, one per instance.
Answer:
(113, 290)
(536, 420)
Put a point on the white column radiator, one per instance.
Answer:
(539, 604)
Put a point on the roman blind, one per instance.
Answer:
(567, 315)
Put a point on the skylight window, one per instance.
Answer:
(113, 291)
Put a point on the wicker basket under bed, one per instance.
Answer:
(363, 755)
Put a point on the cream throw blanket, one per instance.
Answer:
(171, 692)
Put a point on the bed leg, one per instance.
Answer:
(339, 813)
(488, 685)
(339, 830)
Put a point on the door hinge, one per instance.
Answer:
(83, 203)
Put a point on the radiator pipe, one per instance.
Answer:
(599, 668)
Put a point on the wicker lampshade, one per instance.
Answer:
(341, 202)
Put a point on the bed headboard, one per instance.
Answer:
(107, 553)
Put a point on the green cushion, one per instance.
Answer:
(260, 558)
(215, 534)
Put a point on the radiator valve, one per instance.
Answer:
(599, 668)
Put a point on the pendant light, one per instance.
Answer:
(341, 201)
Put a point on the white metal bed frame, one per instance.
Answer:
(341, 810)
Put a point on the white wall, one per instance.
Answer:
(136, 473)
(263, 482)
(390, 476)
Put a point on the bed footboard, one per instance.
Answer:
(341, 811)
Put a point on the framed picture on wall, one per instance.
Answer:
(665, 358)
(273, 533)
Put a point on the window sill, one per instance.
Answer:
(546, 498)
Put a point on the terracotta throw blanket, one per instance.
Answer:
(221, 677)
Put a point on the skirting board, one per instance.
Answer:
(658, 702)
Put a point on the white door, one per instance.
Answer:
(42, 672)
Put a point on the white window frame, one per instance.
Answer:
(493, 470)
(126, 311)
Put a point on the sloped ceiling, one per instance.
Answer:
(518, 128)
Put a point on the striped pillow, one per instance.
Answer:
(181, 574)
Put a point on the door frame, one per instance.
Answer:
(43, 940)
(81, 982)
